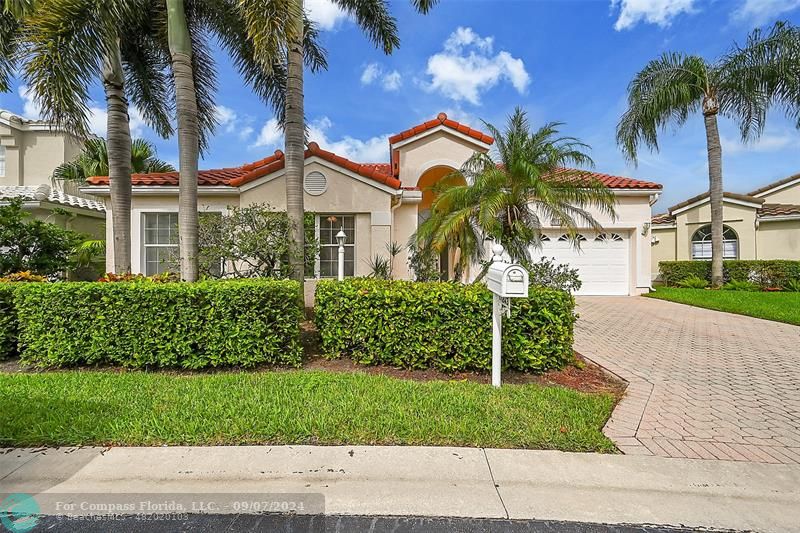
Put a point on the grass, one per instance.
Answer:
(293, 407)
(777, 306)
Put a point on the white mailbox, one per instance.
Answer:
(507, 280)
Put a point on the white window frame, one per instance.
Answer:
(700, 250)
(318, 262)
(143, 238)
(2, 161)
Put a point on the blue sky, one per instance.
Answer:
(568, 61)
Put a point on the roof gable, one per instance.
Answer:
(789, 181)
(701, 199)
(440, 122)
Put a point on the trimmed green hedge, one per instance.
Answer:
(445, 326)
(142, 324)
(764, 273)
(8, 321)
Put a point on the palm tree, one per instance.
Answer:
(68, 44)
(374, 18)
(189, 24)
(741, 85)
(512, 191)
(93, 161)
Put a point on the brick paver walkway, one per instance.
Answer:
(702, 384)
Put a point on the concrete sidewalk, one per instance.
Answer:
(428, 481)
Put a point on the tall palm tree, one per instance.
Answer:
(93, 161)
(189, 25)
(512, 191)
(741, 85)
(66, 46)
(374, 18)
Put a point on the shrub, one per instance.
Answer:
(764, 273)
(8, 321)
(439, 325)
(737, 285)
(693, 282)
(185, 325)
(26, 276)
(792, 285)
(547, 273)
(30, 244)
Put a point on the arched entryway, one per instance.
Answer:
(447, 257)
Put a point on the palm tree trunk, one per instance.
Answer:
(715, 189)
(119, 158)
(295, 143)
(188, 136)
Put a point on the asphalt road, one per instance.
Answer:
(332, 523)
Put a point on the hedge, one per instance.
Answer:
(765, 273)
(438, 325)
(143, 324)
(8, 321)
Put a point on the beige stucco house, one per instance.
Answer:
(29, 152)
(762, 224)
(380, 203)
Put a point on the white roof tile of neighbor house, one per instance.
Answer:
(46, 193)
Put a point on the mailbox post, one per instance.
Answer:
(505, 280)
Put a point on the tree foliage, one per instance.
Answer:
(28, 244)
(93, 161)
(514, 191)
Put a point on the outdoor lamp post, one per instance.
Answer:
(341, 237)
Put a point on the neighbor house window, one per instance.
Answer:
(160, 242)
(2, 161)
(701, 243)
(329, 226)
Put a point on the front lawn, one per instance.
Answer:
(777, 306)
(293, 407)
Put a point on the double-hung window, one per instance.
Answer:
(160, 242)
(329, 226)
(2, 161)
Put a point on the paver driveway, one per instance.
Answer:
(702, 383)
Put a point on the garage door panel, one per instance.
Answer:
(602, 264)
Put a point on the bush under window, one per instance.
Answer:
(768, 273)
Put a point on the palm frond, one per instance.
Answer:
(374, 18)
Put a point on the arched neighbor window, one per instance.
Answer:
(701, 243)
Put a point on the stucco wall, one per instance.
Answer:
(664, 249)
(789, 195)
(740, 218)
(31, 156)
(779, 240)
(437, 149)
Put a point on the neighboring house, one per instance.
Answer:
(762, 224)
(29, 152)
(380, 203)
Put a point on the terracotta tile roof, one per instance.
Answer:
(733, 195)
(779, 210)
(441, 120)
(612, 182)
(774, 184)
(235, 177)
(663, 218)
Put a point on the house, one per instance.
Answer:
(762, 224)
(380, 203)
(29, 152)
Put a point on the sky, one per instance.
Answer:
(568, 61)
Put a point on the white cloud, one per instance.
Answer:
(226, 117)
(246, 132)
(758, 12)
(370, 74)
(390, 81)
(374, 149)
(98, 116)
(270, 135)
(325, 13)
(466, 68)
(659, 12)
(769, 142)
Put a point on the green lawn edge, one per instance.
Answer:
(775, 306)
(82, 408)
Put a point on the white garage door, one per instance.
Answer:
(602, 260)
